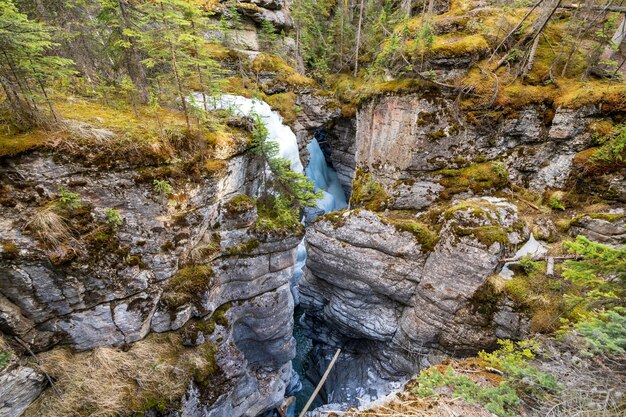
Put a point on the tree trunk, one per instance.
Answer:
(136, 70)
(358, 40)
(179, 83)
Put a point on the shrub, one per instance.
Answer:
(239, 204)
(501, 400)
(604, 332)
(513, 359)
(68, 199)
(528, 265)
(188, 285)
(112, 217)
(276, 215)
(162, 187)
(5, 357)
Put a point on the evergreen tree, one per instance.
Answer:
(293, 187)
(121, 19)
(25, 66)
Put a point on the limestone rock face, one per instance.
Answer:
(19, 387)
(112, 286)
(341, 138)
(376, 290)
(607, 231)
(405, 140)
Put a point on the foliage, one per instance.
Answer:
(555, 203)
(613, 149)
(294, 188)
(112, 217)
(513, 358)
(68, 199)
(477, 178)
(367, 192)
(26, 64)
(188, 285)
(501, 397)
(277, 215)
(268, 37)
(528, 265)
(239, 204)
(501, 400)
(162, 187)
(599, 278)
(5, 357)
(604, 332)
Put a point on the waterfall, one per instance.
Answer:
(277, 131)
(323, 177)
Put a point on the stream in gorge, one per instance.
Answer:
(325, 179)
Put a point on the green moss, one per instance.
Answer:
(336, 218)
(219, 316)
(285, 104)
(476, 178)
(486, 298)
(565, 224)
(367, 193)
(207, 367)
(286, 74)
(14, 144)
(423, 234)
(243, 248)
(276, 216)
(239, 204)
(531, 290)
(188, 285)
(487, 235)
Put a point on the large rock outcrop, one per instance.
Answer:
(407, 142)
(126, 260)
(395, 291)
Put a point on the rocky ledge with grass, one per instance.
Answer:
(96, 259)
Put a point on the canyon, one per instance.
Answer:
(141, 270)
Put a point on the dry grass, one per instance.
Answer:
(50, 228)
(108, 382)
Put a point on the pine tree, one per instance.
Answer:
(25, 66)
(121, 19)
(161, 41)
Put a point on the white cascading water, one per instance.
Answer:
(277, 131)
(323, 177)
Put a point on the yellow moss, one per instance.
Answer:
(265, 62)
(611, 96)
(351, 91)
(455, 45)
(367, 192)
(215, 165)
(540, 295)
(285, 104)
(476, 178)
(426, 237)
(11, 145)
